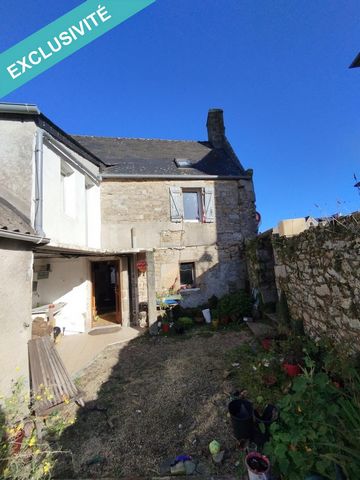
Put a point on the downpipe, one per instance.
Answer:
(39, 182)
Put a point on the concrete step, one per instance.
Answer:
(273, 318)
(262, 330)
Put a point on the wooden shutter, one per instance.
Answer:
(176, 204)
(209, 205)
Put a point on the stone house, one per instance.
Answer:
(98, 226)
(191, 202)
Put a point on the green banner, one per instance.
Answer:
(61, 38)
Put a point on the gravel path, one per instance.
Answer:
(156, 398)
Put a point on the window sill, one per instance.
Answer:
(189, 290)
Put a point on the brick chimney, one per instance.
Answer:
(215, 127)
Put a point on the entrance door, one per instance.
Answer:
(106, 293)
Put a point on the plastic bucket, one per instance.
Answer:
(269, 416)
(258, 466)
(207, 315)
(242, 420)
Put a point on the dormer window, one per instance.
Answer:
(183, 163)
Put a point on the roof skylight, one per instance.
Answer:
(183, 163)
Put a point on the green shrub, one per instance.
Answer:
(238, 303)
(298, 440)
(185, 322)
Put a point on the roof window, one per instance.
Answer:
(183, 163)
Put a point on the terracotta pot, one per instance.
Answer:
(292, 370)
(266, 344)
(269, 380)
(165, 327)
(225, 320)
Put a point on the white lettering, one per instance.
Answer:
(87, 24)
(12, 70)
(72, 34)
(24, 65)
(44, 54)
(59, 46)
(65, 38)
(81, 30)
(31, 55)
(102, 12)
(91, 17)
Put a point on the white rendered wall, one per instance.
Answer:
(67, 221)
(15, 312)
(69, 282)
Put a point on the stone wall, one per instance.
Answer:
(260, 264)
(319, 272)
(142, 208)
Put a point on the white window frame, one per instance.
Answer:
(199, 193)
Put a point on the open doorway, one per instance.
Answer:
(106, 293)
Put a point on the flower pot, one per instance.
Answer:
(270, 380)
(266, 344)
(215, 323)
(269, 415)
(258, 466)
(225, 320)
(292, 370)
(242, 420)
(207, 315)
(165, 327)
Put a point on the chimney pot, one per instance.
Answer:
(215, 127)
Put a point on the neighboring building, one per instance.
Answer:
(294, 226)
(17, 241)
(55, 185)
(191, 202)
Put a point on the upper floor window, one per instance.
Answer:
(192, 204)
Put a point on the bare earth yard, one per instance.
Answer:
(154, 399)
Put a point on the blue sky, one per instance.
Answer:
(279, 69)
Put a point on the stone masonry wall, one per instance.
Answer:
(260, 264)
(319, 272)
(216, 248)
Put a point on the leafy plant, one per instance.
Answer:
(346, 429)
(22, 454)
(238, 303)
(185, 322)
(303, 437)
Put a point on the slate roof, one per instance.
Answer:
(12, 220)
(138, 156)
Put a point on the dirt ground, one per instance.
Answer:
(152, 400)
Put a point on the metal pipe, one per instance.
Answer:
(24, 237)
(173, 177)
(19, 108)
(39, 179)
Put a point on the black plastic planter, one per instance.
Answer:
(242, 419)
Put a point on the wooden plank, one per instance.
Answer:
(48, 373)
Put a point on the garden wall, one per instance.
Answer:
(319, 273)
